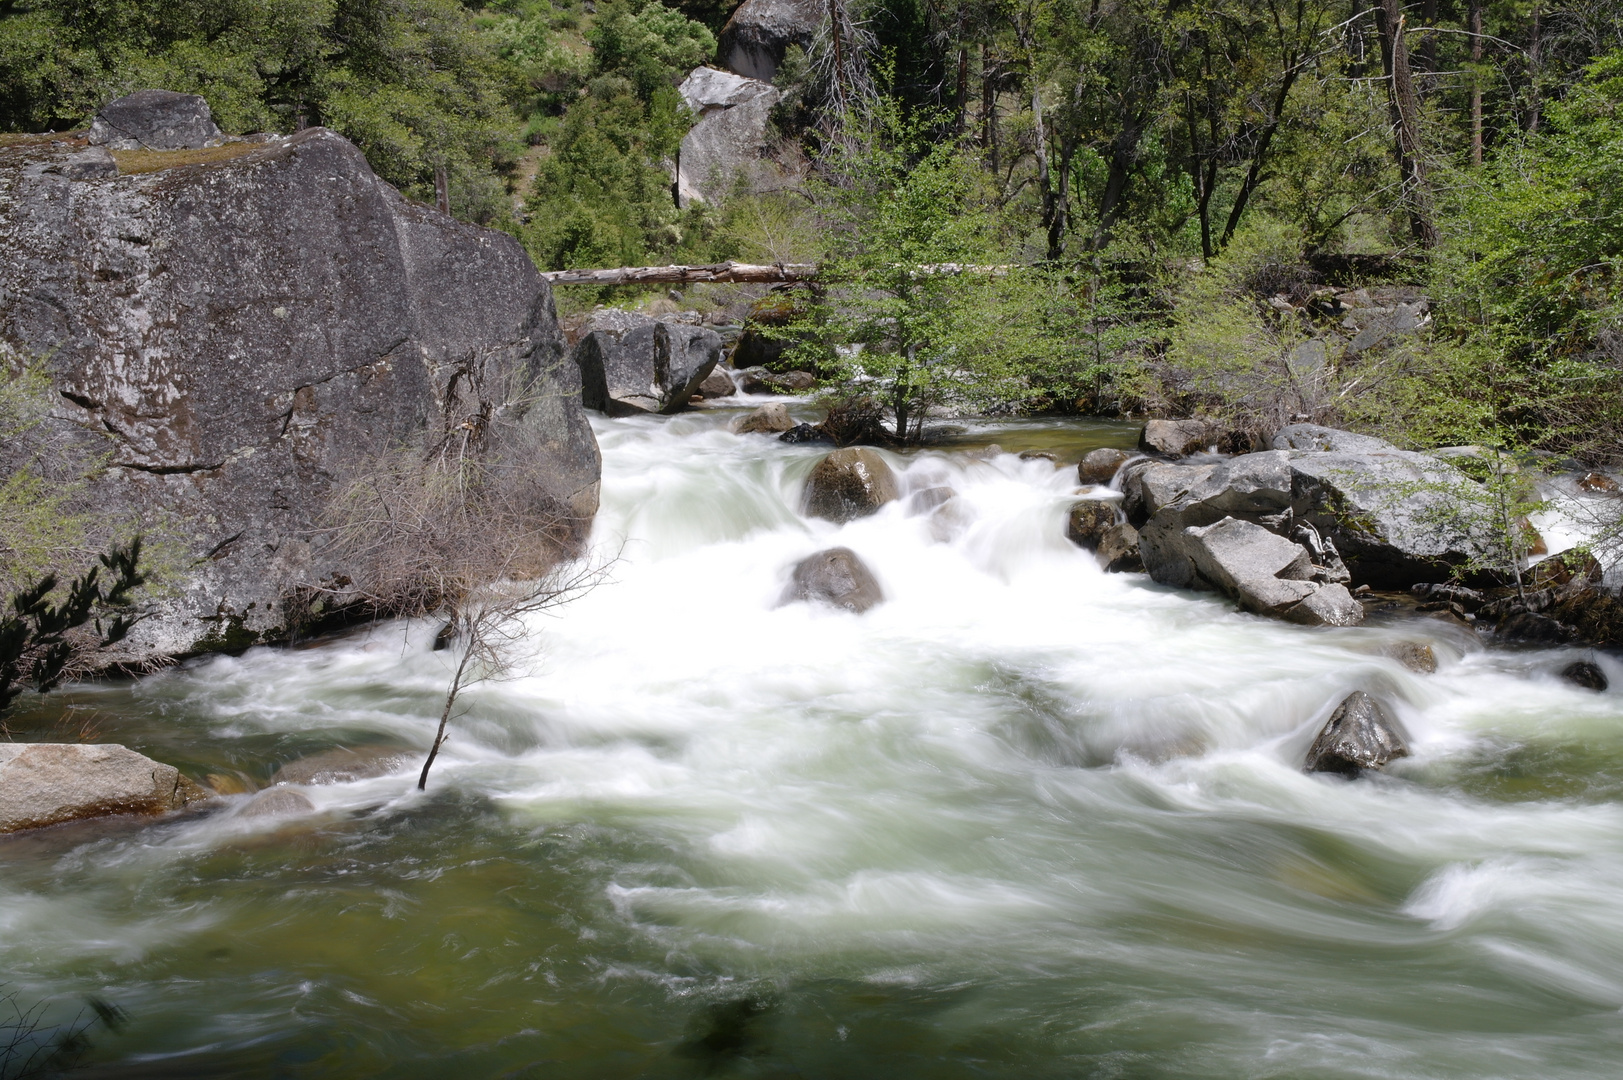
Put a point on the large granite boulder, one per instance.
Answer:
(1176, 438)
(849, 484)
(49, 783)
(836, 577)
(1368, 512)
(755, 39)
(1099, 466)
(1265, 572)
(154, 120)
(237, 339)
(730, 138)
(631, 363)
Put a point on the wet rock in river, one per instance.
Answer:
(1414, 655)
(1358, 735)
(767, 420)
(717, 384)
(1118, 550)
(48, 783)
(1088, 521)
(849, 484)
(1099, 466)
(277, 802)
(1585, 673)
(1040, 455)
(1531, 628)
(342, 765)
(835, 576)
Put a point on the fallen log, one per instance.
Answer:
(686, 275)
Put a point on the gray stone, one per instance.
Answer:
(1099, 466)
(794, 381)
(94, 163)
(1118, 550)
(1266, 573)
(1587, 674)
(342, 765)
(235, 339)
(631, 363)
(835, 576)
(849, 484)
(755, 39)
(1375, 325)
(767, 420)
(717, 384)
(1175, 438)
(277, 802)
(1359, 735)
(729, 140)
(1088, 521)
(154, 120)
(1328, 439)
(1414, 655)
(49, 783)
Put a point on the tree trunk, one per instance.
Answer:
(1123, 155)
(989, 109)
(685, 275)
(1253, 175)
(1535, 69)
(1404, 108)
(1475, 23)
(442, 190)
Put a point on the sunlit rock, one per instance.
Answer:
(342, 765)
(849, 484)
(767, 420)
(1099, 466)
(48, 783)
(154, 120)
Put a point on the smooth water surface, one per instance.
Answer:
(1024, 819)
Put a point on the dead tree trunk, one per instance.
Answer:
(1404, 106)
(1476, 81)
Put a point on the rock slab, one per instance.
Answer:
(49, 783)
(630, 363)
(730, 139)
(1359, 735)
(154, 120)
(759, 33)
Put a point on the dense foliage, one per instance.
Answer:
(1180, 186)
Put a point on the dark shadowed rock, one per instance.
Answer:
(1585, 673)
(235, 339)
(1088, 521)
(1118, 550)
(807, 434)
(755, 39)
(1414, 655)
(766, 420)
(630, 363)
(836, 576)
(277, 802)
(49, 783)
(1175, 438)
(848, 484)
(154, 120)
(1359, 735)
(342, 765)
(1531, 628)
(1099, 466)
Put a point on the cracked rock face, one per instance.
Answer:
(154, 120)
(729, 139)
(236, 338)
(759, 33)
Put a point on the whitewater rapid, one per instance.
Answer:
(1023, 818)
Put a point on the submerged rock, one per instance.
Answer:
(277, 802)
(1099, 466)
(835, 576)
(154, 120)
(1585, 673)
(342, 765)
(766, 420)
(1414, 655)
(48, 783)
(1359, 735)
(849, 484)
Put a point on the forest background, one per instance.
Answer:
(1174, 192)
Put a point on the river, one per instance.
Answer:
(1023, 819)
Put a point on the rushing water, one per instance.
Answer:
(1023, 819)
